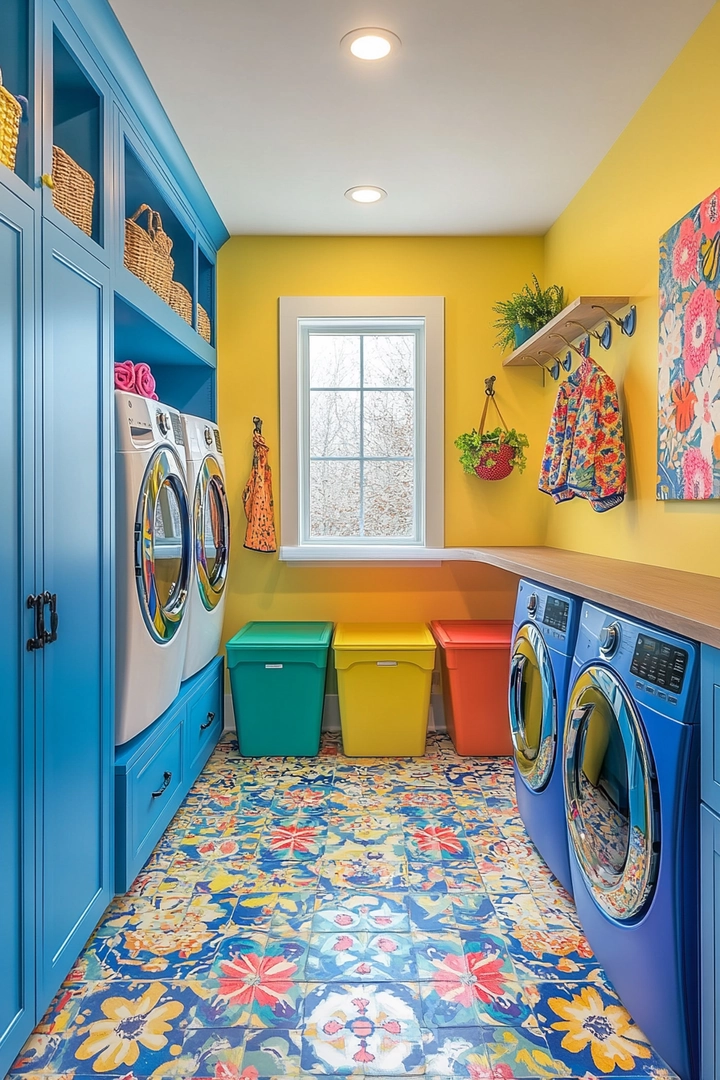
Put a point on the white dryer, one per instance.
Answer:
(154, 561)
(211, 541)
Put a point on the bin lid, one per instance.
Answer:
(286, 635)
(376, 635)
(472, 633)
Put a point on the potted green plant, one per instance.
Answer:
(492, 455)
(526, 312)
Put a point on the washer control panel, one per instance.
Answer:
(556, 613)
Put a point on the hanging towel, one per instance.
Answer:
(585, 451)
(258, 500)
(125, 376)
(144, 382)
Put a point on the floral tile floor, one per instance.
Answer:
(339, 916)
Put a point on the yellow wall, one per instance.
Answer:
(471, 273)
(665, 162)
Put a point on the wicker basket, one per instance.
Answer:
(10, 114)
(147, 251)
(73, 190)
(180, 300)
(204, 328)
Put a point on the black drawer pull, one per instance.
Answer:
(208, 722)
(167, 777)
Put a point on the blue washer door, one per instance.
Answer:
(611, 794)
(162, 545)
(212, 533)
(533, 708)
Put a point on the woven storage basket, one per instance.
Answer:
(10, 114)
(180, 300)
(204, 328)
(147, 251)
(73, 190)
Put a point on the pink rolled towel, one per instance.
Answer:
(125, 376)
(144, 381)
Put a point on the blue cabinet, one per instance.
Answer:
(710, 864)
(17, 667)
(155, 770)
(75, 731)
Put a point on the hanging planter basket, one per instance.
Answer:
(492, 455)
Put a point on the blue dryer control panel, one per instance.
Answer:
(660, 669)
(554, 613)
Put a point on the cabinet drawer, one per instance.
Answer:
(153, 787)
(204, 723)
(710, 727)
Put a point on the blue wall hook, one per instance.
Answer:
(628, 324)
(605, 336)
(568, 361)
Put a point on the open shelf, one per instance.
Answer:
(16, 69)
(145, 324)
(184, 379)
(78, 125)
(582, 315)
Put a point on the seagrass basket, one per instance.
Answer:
(204, 328)
(10, 115)
(147, 251)
(180, 300)
(73, 190)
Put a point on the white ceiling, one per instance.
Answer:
(489, 119)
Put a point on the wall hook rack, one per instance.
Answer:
(627, 324)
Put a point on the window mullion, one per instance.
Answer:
(362, 434)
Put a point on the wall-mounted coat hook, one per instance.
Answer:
(603, 338)
(258, 424)
(627, 324)
(554, 369)
(581, 352)
(490, 386)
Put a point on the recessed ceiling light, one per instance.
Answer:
(366, 194)
(370, 43)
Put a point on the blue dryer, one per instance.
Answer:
(543, 643)
(631, 769)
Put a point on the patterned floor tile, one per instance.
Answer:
(341, 917)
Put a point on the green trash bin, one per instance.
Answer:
(277, 678)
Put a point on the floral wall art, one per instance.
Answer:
(689, 364)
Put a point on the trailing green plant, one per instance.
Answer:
(473, 445)
(532, 308)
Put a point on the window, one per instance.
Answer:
(361, 426)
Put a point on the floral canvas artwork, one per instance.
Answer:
(689, 365)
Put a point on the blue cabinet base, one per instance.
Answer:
(156, 769)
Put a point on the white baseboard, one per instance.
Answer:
(331, 713)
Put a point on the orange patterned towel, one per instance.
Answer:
(258, 500)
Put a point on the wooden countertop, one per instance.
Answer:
(673, 599)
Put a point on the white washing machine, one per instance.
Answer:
(154, 561)
(211, 541)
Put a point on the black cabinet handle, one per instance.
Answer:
(51, 599)
(167, 777)
(208, 722)
(36, 603)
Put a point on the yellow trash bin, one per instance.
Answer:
(384, 673)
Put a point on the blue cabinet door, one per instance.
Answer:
(75, 733)
(710, 943)
(17, 352)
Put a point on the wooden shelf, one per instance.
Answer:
(675, 600)
(584, 310)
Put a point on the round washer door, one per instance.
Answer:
(533, 707)
(163, 545)
(212, 533)
(610, 794)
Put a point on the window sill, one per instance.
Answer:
(349, 555)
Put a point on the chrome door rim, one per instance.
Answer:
(163, 621)
(534, 767)
(622, 895)
(211, 586)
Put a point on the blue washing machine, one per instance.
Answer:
(544, 634)
(631, 770)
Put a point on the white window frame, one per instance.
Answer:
(430, 416)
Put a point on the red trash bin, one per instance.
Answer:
(475, 658)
